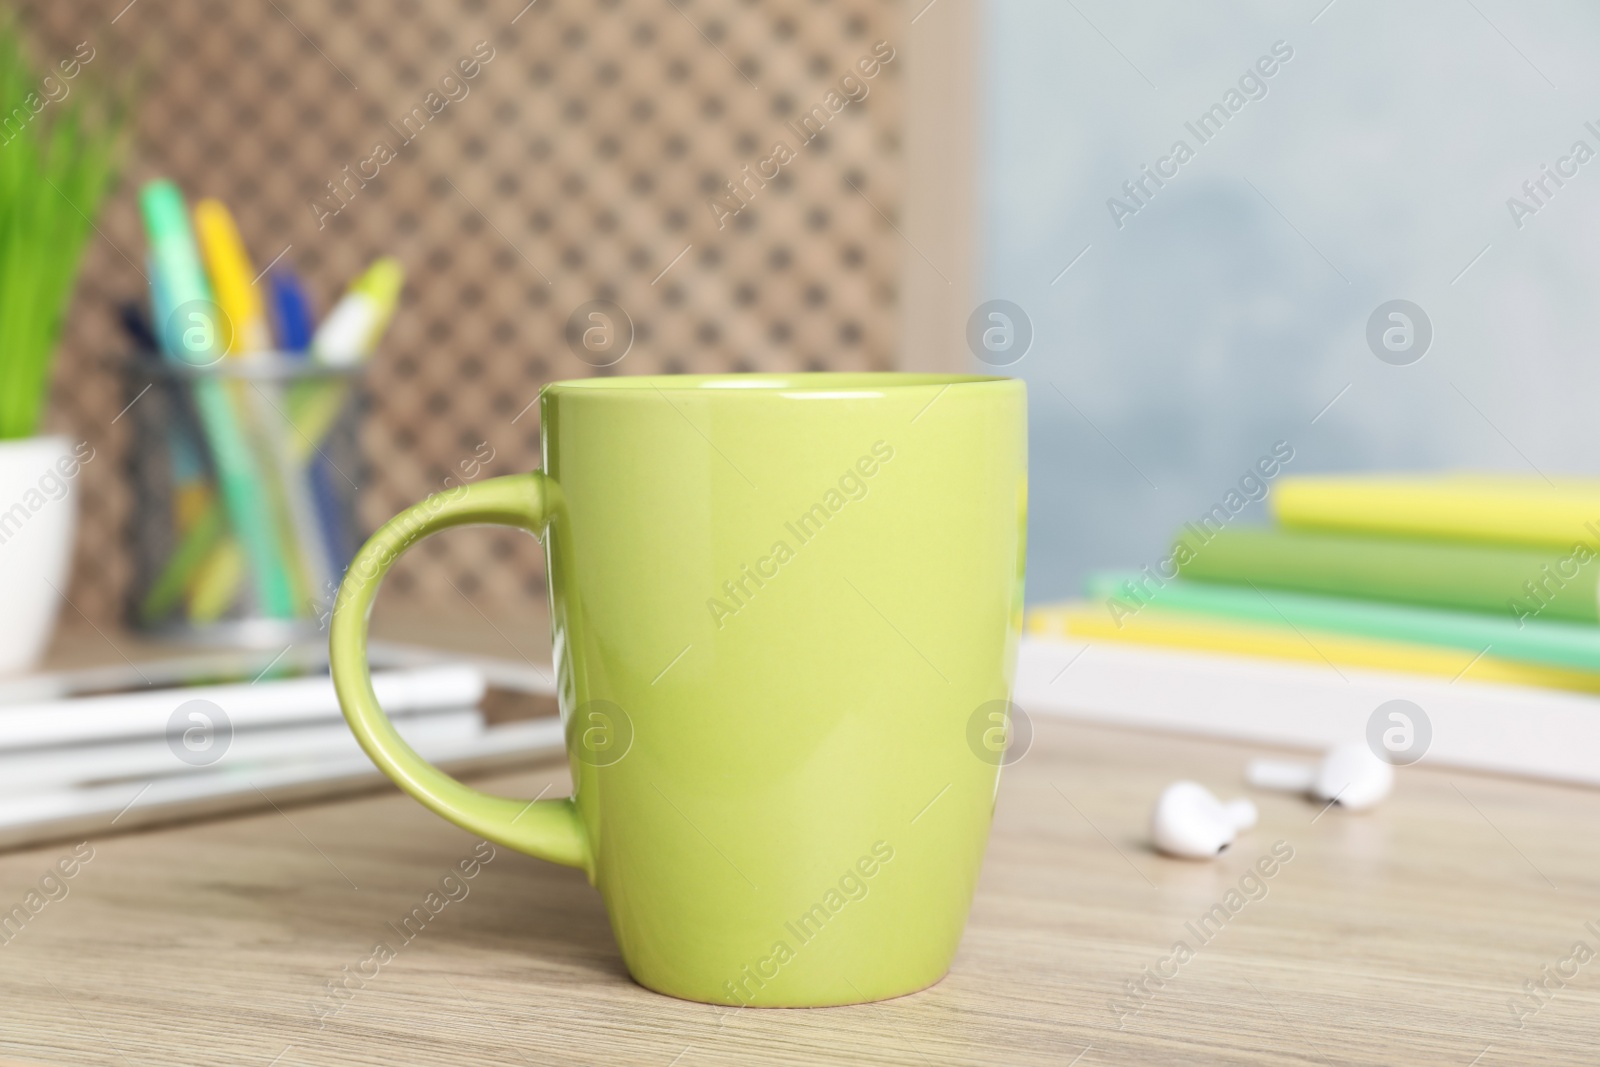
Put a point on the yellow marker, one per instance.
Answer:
(232, 278)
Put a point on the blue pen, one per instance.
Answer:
(291, 311)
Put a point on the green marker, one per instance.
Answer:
(198, 334)
(351, 330)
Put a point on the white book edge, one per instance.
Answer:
(149, 713)
(143, 759)
(1503, 729)
(97, 810)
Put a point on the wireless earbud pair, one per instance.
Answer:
(1192, 823)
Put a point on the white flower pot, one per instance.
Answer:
(38, 514)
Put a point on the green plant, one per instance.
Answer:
(60, 141)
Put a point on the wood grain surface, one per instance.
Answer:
(1400, 936)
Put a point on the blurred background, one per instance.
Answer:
(577, 166)
(1227, 313)
(1176, 339)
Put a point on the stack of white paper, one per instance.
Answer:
(71, 764)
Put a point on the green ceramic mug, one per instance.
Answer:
(780, 604)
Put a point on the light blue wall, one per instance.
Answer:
(1230, 310)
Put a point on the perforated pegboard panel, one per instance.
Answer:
(576, 164)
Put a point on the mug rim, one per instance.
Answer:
(768, 384)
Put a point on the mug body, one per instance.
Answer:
(786, 612)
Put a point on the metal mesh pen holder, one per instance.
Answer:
(244, 479)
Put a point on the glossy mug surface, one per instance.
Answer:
(786, 613)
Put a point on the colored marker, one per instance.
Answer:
(190, 335)
(351, 331)
(291, 310)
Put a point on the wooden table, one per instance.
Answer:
(1400, 936)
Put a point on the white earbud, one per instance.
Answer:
(1190, 822)
(1349, 775)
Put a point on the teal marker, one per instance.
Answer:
(188, 470)
(196, 333)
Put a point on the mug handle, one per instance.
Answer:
(548, 829)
